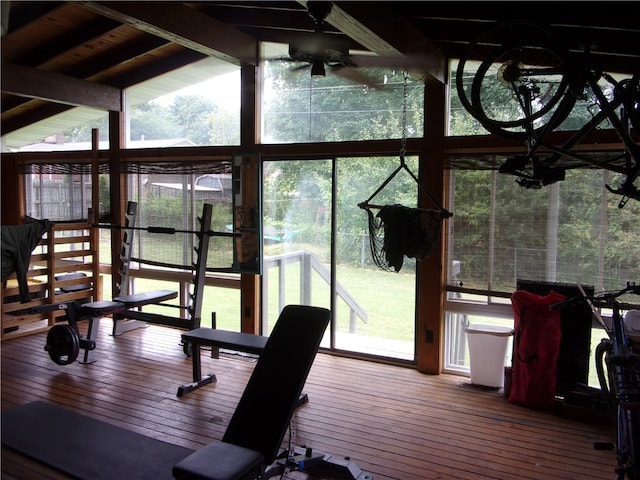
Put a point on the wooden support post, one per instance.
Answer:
(430, 298)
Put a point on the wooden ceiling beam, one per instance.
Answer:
(57, 88)
(184, 26)
(381, 30)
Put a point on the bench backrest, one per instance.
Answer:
(262, 416)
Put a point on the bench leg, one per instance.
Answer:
(88, 356)
(198, 379)
(123, 325)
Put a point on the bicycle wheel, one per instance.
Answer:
(631, 102)
(512, 78)
(603, 349)
(628, 396)
(628, 450)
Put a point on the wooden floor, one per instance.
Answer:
(393, 422)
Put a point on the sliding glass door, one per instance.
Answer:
(317, 251)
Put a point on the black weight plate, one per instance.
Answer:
(63, 344)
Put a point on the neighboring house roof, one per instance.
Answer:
(213, 182)
(104, 145)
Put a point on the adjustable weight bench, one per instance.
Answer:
(237, 341)
(251, 445)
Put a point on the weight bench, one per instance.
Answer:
(251, 445)
(237, 341)
(260, 421)
(134, 301)
(64, 341)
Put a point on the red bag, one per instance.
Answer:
(536, 345)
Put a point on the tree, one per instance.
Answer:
(302, 108)
(152, 121)
(193, 113)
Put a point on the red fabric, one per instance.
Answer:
(536, 345)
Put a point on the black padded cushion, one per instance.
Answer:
(262, 416)
(220, 461)
(264, 411)
(244, 342)
(146, 298)
(99, 309)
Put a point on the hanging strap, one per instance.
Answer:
(403, 166)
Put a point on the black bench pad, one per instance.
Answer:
(220, 461)
(237, 341)
(99, 309)
(145, 298)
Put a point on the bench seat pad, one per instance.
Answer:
(244, 342)
(146, 298)
(99, 309)
(220, 461)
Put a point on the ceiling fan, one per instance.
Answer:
(323, 51)
(320, 50)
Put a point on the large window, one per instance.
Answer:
(570, 232)
(299, 107)
(193, 106)
(566, 232)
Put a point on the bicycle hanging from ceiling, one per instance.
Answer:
(397, 231)
(520, 82)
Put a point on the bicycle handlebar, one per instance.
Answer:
(604, 299)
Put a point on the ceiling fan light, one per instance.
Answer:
(317, 68)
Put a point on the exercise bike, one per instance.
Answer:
(617, 360)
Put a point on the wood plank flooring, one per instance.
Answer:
(394, 422)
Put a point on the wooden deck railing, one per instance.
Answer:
(309, 264)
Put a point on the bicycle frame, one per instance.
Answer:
(540, 97)
(627, 163)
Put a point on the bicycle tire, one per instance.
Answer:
(629, 399)
(634, 442)
(631, 101)
(603, 349)
(499, 53)
(629, 443)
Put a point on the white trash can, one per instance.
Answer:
(487, 353)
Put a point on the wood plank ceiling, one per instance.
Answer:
(57, 55)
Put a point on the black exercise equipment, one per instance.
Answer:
(133, 317)
(250, 446)
(64, 341)
(63, 344)
(236, 341)
(169, 230)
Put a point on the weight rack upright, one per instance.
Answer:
(134, 318)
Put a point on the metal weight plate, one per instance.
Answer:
(63, 344)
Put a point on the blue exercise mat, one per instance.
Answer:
(86, 448)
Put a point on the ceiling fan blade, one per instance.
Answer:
(354, 75)
(317, 44)
(411, 62)
(305, 66)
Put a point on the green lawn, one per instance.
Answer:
(388, 298)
